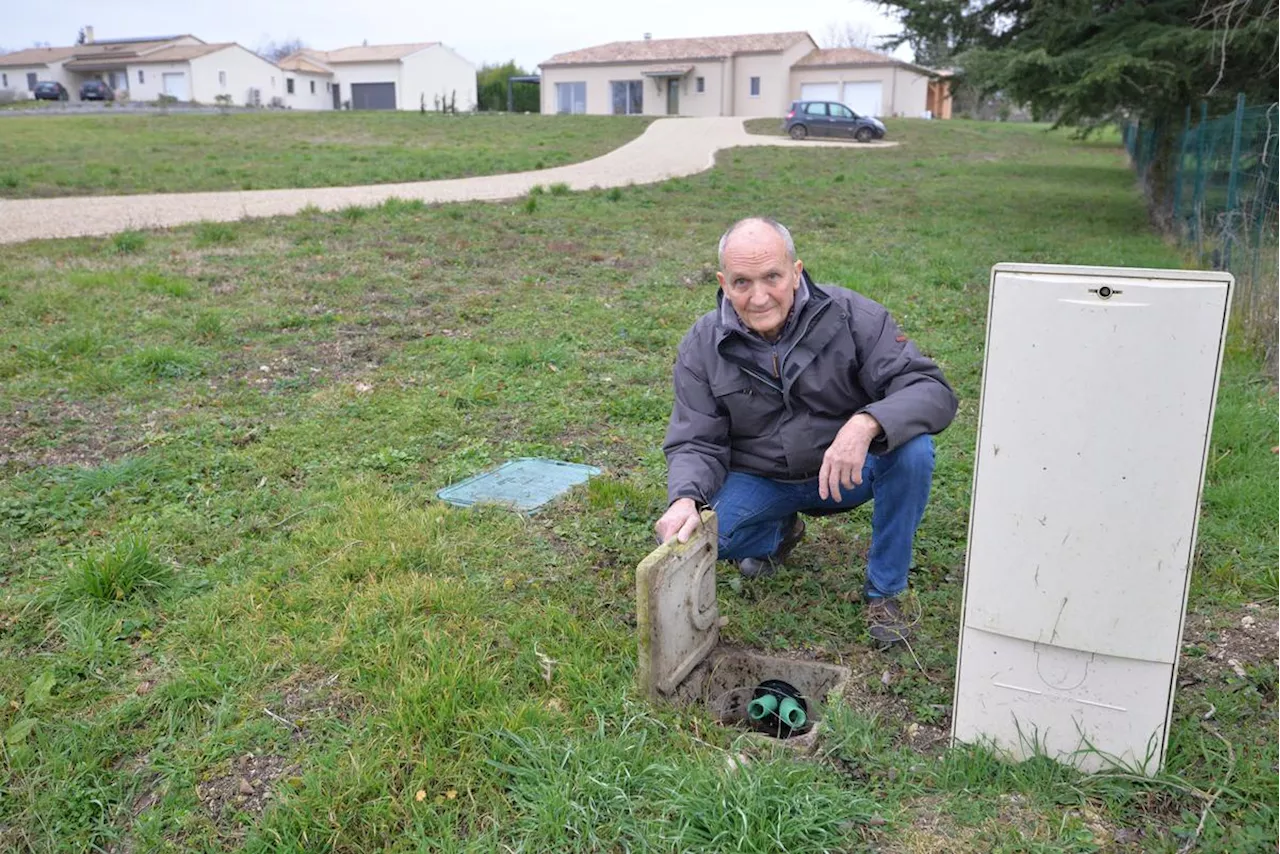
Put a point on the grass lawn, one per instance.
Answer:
(233, 615)
(43, 156)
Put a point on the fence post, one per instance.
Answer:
(1233, 182)
(1197, 208)
(1266, 193)
(1177, 175)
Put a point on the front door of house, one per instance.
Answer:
(337, 100)
(673, 96)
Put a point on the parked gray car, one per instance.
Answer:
(829, 118)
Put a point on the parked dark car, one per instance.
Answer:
(49, 90)
(829, 118)
(96, 90)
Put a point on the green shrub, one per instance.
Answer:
(614, 194)
(530, 204)
(122, 571)
(128, 242)
(560, 189)
(164, 362)
(215, 234)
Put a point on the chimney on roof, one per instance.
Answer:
(648, 36)
(88, 35)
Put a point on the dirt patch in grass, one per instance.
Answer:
(58, 432)
(1228, 643)
(869, 692)
(246, 788)
(306, 362)
(311, 696)
(929, 827)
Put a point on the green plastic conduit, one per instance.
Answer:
(791, 713)
(763, 706)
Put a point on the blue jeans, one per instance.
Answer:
(754, 513)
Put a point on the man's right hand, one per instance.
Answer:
(680, 521)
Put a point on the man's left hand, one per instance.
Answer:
(843, 462)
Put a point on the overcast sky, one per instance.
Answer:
(492, 31)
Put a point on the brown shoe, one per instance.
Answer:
(763, 567)
(886, 623)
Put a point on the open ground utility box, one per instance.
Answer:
(1098, 393)
(682, 661)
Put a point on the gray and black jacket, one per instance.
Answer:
(773, 408)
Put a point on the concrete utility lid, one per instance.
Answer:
(678, 620)
(523, 485)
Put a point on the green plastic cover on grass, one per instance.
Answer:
(523, 484)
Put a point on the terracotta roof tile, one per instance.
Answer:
(100, 51)
(368, 53)
(181, 52)
(302, 62)
(846, 56)
(36, 56)
(669, 50)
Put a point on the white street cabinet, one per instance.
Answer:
(1098, 391)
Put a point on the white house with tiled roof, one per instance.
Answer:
(748, 75)
(388, 77)
(142, 69)
(395, 76)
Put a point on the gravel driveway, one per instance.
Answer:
(669, 148)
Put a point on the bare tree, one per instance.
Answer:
(276, 51)
(847, 34)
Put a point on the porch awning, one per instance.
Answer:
(113, 64)
(677, 71)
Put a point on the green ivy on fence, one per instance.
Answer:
(1213, 183)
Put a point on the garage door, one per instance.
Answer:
(373, 96)
(175, 84)
(863, 98)
(819, 91)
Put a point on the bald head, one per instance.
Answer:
(755, 229)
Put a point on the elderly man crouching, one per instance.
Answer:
(793, 398)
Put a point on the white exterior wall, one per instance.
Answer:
(346, 73)
(437, 70)
(774, 71)
(243, 70)
(302, 98)
(152, 85)
(904, 92)
(599, 80)
(913, 94)
(53, 71)
(728, 84)
(706, 103)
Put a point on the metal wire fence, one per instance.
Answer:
(1212, 184)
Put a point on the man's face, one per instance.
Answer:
(758, 280)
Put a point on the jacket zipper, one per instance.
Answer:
(776, 372)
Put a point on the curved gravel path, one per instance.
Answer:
(669, 148)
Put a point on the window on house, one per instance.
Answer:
(755, 87)
(288, 85)
(222, 79)
(31, 81)
(328, 86)
(141, 78)
(571, 97)
(273, 83)
(628, 97)
(313, 87)
(4, 80)
(700, 84)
